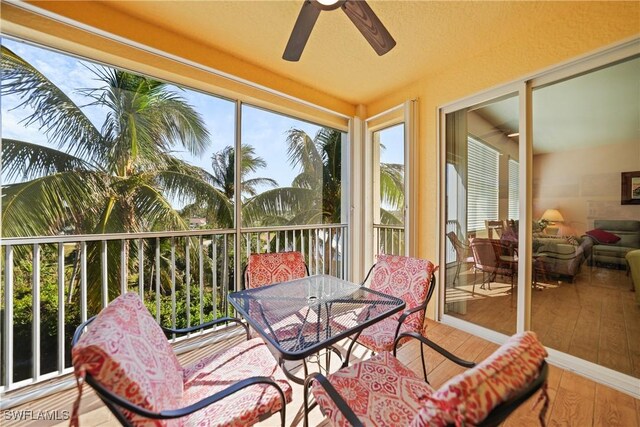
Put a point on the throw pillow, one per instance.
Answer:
(572, 240)
(603, 236)
(469, 397)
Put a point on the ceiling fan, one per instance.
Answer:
(358, 11)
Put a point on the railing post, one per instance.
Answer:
(61, 327)
(158, 280)
(103, 264)
(83, 282)
(173, 283)
(35, 324)
(8, 317)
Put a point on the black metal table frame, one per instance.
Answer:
(321, 344)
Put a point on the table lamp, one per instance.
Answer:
(552, 216)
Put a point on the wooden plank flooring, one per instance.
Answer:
(574, 400)
(595, 318)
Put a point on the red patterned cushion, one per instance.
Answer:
(266, 269)
(381, 391)
(403, 277)
(216, 372)
(125, 349)
(470, 396)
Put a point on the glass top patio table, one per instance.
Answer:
(301, 317)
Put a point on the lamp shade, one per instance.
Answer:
(552, 215)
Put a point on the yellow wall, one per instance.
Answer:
(572, 29)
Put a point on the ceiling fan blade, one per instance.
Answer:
(301, 31)
(369, 25)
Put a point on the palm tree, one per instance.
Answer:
(222, 178)
(120, 177)
(315, 193)
(223, 165)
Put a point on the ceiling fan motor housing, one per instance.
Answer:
(328, 4)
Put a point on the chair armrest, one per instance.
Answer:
(206, 325)
(434, 346)
(338, 400)
(423, 306)
(181, 412)
(79, 329)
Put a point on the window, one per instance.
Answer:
(514, 192)
(483, 185)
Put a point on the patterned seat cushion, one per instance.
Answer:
(267, 269)
(381, 335)
(469, 397)
(127, 352)
(125, 349)
(216, 372)
(381, 391)
(405, 278)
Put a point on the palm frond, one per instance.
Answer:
(279, 202)
(62, 121)
(392, 184)
(389, 218)
(23, 160)
(188, 188)
(302, 151)
(50, 204)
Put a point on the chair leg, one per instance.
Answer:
(457, 275)
(305, 397)
(424, 366)
(473, 289)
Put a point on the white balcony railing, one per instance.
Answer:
(389, 239)
(52, 284)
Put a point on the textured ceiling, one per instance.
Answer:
(597, 108)
(430, 35)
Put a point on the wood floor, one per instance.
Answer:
(595, 318)
(574, 400)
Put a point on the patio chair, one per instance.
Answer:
(126, 358)
(274, 267)
(410, 279)
(463, 254)
(492, 257)
(269, 268)
(383, 391)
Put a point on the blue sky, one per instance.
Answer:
(265, 131)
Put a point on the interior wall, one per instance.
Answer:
(584, 185)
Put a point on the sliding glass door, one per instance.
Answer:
(542, 231)
(586, 140)
(482, 213)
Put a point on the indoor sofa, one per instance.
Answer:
(562, 256)
(613, 254)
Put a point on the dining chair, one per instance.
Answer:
(492, 257)
(275, 267)
(497, 226)
(383, 391)
(410, 279)
(269, 268)
(463, 254)
(126, 358)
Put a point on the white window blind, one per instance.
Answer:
(514, 190)
(482, 193)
